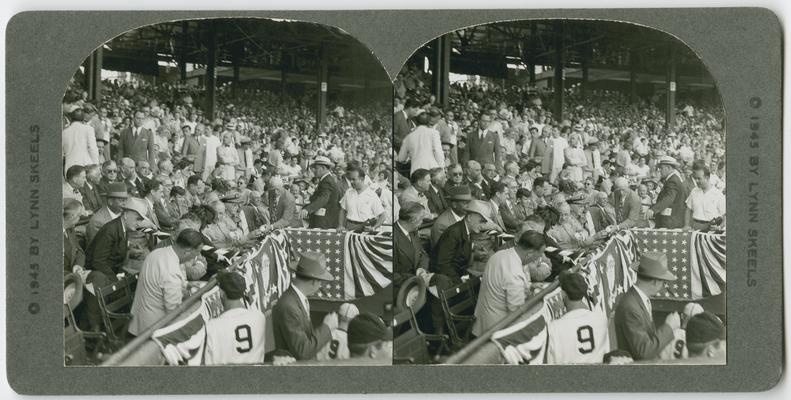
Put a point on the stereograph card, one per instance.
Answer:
(467, 201)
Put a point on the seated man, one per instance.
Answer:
(505, 282)
(237, 335)
(162, 282)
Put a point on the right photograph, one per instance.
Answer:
(559, 198)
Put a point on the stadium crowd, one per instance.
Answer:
(494, 187)
(151, 183)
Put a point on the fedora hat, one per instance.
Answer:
(136, 205)
(322, 160)
(312, 265)
(653, 265)
(412, 294)
(460, 193)
(481, 208)
(118, 190)
(667, 160)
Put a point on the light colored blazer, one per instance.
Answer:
(504, 285)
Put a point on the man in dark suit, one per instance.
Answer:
(109, 175)
(483, 145)
(628, 206)
(106, 254)
(402, 122)
(91, 193)
(602, 212)
(137, 142)
(322, 211)
(115, 197)
(453, 253)
(670, 208)
(436, 198)
(73, 256)
(134, 184)
(459, 197)
(478, 185)
(293, 331)
(410, 258)
(281, 205)
(634, 324)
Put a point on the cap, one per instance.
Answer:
(704, 328)
(368, 328)
(232, 284)
(574, 285)
(322, 160)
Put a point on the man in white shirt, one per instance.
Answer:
(162, 282)
(236, 336)
(360, 206)
(581, 335)
(705, 204)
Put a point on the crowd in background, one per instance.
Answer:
(146, 169)
(496, 162)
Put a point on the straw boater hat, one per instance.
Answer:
(312, 265)
(667, 160)
(322, 160)
(653, 265)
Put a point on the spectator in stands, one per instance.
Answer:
(435, 193)
(422, 147)
(475, 180)
(162, 283)
(79, 142)
(75, 180)
(91, 190)
(459, 197)
(281, 206)
(627, 205)
(483, 145)
(137, 142)
(73, 255)
(420, 182)
(360, 206)
(705, 203)
(410, 258)
(505, 283)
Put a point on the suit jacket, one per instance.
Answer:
(140, 148)
(254, 217)
(629, 212)
(511, 222)
(441, 224)
(167, 221)
(673, 196)
(107, 251)
(136, 188)
(72, 252)
(400, 129)
(436, 200)
(453, 253)
(486, 150)
(293, 330)
(327, 197)
(479, 193)
(91, 198)
(635, 329)
(409, 257)
(97, 221)
(284, 213)
(602, 218)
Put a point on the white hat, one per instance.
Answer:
(346, 313)
(692, 309)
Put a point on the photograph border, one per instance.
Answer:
(44, 48)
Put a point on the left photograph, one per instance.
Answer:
(227, 198)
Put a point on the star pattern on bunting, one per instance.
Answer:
(673, 243)
(330, 244)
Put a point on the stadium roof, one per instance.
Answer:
(605, 44)
(252, 42)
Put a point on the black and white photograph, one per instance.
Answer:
(561, 191)
(227, 198)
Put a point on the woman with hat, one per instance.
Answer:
(293, 331)
(634, 323)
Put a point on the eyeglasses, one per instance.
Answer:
(457, 173)
(111, 171)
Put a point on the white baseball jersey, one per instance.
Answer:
(578, 337)
(235, 337)
(335, 349)
(677, 348)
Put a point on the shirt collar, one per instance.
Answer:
(456, 216)
(302, 298)
(402, 228)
